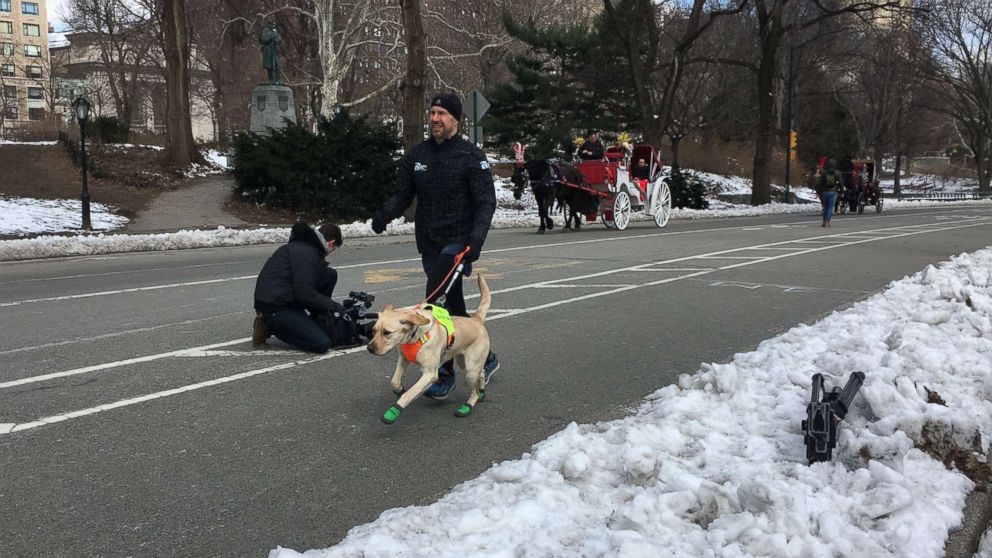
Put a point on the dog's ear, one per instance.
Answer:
(413, 318)
(387, 308)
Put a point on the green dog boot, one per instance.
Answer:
(464, 411)
(391, 414)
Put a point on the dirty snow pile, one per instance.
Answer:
(715, 465)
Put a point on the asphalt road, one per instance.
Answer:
(136, 420)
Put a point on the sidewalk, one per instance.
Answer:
(202, 206)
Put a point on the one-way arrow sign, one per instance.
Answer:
(476, 106)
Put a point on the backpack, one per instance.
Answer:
(829, 181)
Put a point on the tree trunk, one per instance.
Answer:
(764, 128)
(896, 183)
(982, 164)
(413, 83)
(675, 150)
(179, 148)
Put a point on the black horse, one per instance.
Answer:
(548, 180)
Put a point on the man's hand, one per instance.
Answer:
(473, 252)
(378, 223)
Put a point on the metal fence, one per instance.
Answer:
(939, 196)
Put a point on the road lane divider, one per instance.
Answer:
(6, 428)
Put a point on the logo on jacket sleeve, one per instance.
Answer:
(419, 167)
(483, 165)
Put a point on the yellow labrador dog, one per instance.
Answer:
(422, 338)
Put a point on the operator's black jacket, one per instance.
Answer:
(455, 195)
(295, 274)
(594, 147)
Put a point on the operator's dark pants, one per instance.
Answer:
(296, 326)
(440, 269)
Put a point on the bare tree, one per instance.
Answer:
(773, 20)
(122, 38)
(960, 38)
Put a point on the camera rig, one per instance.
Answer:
(356, 306)
(825, 411)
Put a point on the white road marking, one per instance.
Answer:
(115, 364)
(564, 286)
(749, 286)
(386, 262)
(508, 313)
(115, 334)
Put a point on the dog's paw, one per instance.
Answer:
(464, 411)
(399, 392)
(391, 414)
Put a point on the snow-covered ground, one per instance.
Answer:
(716, 466)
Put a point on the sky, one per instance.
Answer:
(713, 466)
(54, 11)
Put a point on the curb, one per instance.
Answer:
(963, 543)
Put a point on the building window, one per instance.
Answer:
(32, 51)
(7, 70)
(10, 112)
(6, 49)
(31, 30)
(36, 93)
(4, 5)
(36, 114)
(29, 8)
(10, 91)
(33, 71)
(6, 27)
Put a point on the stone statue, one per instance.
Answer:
(270, 58)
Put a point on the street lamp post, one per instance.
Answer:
(82, 108)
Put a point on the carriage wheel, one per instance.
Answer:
(661, 205)
(621, 209)
(861, 203)
(878, 205)
(606, 213)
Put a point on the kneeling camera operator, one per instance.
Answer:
(293, 296)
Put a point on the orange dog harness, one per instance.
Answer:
(442, 317)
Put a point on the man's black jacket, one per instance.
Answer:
(595, 149)
(453, 185)
(293, 275)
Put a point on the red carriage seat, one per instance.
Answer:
(594, 172)
(614, 153)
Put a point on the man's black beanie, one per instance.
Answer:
(449, 102)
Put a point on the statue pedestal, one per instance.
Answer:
(271, 107)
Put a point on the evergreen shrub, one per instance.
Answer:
(109, 130)
(686, 190)
(343, 172)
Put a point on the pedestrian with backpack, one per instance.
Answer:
(831, 182)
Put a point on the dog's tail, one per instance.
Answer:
(484, 300)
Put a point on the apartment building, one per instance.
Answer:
(23, 61)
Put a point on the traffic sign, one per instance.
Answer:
(476, 106)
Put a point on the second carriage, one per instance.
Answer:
(623, 188)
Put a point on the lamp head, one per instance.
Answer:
(82, 108)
